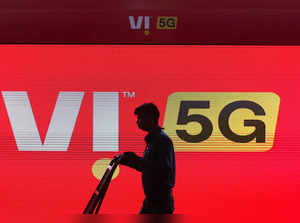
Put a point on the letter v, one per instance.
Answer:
(24, 126)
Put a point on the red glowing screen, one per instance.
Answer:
(207, 183)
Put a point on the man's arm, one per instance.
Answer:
(162, 163)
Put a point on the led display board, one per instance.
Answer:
(231, 111)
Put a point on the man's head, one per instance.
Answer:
(147, 116)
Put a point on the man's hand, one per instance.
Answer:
(129, 159)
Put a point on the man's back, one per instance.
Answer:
(159, 180)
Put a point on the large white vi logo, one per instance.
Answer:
(105, 121)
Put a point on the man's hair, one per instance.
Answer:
(147, 109)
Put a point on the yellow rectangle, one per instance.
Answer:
(166, 22)
(222, 121)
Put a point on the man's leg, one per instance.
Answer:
(164, 206)
(145, 207)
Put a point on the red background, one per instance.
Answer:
(212, 185)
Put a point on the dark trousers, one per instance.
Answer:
(161, 205)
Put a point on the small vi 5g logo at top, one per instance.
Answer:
(145, 23)
(222, 121)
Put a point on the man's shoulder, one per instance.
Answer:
(164, 138)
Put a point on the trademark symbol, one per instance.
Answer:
(128, 94)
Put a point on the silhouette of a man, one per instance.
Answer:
(157, 164)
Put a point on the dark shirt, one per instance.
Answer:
(157, 165)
